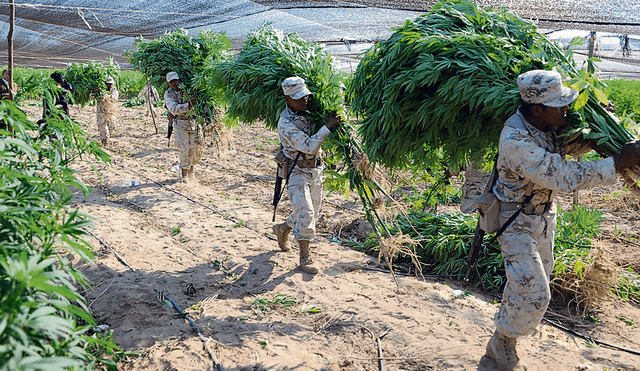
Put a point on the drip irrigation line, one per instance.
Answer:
(118, 257)
(412, 275)
(623, 239)
(205, 341)
(225, 216)
(589, 338)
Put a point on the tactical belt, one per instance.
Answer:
(311, 163)
(538, 209)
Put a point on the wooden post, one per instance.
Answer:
(12, 19)
(592, 46)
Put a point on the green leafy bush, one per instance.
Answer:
(44, 318)
(135, 101)
(28, 80)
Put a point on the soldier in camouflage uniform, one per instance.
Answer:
(305, 181)
(530, 173)
(106, 109)
(188, 135)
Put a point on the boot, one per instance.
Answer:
(191, 174)
(185, 174)
(501, 349)
(282, 231)
(103, 142)
(306, 263)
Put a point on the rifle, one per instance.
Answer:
(170, 127)
(476, 244)
(277, 192)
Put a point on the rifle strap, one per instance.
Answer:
(286, 183)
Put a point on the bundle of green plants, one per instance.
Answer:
(188, 56)
(446, 81)
(253, 93)
(45, 320)
(86, 77)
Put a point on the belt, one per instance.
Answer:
(311, 163)
(538, 209)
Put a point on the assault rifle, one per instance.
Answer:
(170, 117)
(283, 165)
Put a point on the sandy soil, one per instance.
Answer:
(208, 246)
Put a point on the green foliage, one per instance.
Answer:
(135, 101)
(44, 318)
(444, 239)
(253, 79)
(574, 232)
(131, 83)
(447, 81)
(188, 56)
(628, 287)
(28, 80)
(85, 77)
(625, 95)
(267, 305)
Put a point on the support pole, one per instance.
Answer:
(12, 21)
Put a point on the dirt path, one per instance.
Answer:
(208, 246)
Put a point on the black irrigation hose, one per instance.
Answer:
(225, 216)
(589, 338)
(162, 296)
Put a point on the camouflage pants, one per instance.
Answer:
(527, 249)
(106, 124)
(188, 143)
(305, 194)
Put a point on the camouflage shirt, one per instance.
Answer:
(529, 158)
(176, 103)
(295, 135)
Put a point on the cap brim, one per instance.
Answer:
(567, 97)
(301, 94)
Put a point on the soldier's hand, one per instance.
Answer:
(333, 122)
(192, 102)
(628, 157)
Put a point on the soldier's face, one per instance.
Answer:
(298, 104)
(174, 84)
(554, 116)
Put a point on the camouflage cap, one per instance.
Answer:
(172, 76)
(295, 87)
(545, 87)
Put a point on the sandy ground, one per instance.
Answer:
(208, 246)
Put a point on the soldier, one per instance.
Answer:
(8, 94)
(303, 153)
(188, 135)
(530, 174)
(106, 109)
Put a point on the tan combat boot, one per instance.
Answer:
(501, 349)
(191, 174)
(185, 174)
(282, 231)
(103, 142)
(306, 263)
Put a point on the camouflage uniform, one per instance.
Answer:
(305, 183)
(105, 113)
(187, 136)
(529, 165)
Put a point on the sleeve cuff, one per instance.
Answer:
(324, 132)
